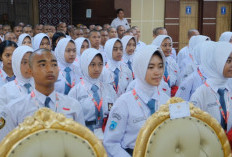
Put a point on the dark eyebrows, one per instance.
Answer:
(40, 61)
(54, 60)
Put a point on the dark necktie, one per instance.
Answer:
(221, 92)
(68, 79)
(46, 103)
(129, 65)
(151, 105)
(166, 74)
(27, 86)
(116, 77)
(98, 114)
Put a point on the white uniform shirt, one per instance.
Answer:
(189, 85)
(173, 55)
(173, 70)
(81, 93)
(11, 91)
(3, 76)
(26, 106)
(205, 99)
(125, 77)
(61, 81)
(162, 87)
(128, 118)
(116, 22)
(183, 53)
(139, 45)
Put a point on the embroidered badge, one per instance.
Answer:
(2, 122)
(117, 116)
(110, 105)
(113, 125)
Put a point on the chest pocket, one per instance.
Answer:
(213, 110)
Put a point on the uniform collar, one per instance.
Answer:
(41, 97)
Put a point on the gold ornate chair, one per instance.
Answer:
(50, 134)
(197, 136)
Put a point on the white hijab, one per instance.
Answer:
(22, 37)
(17, 57)
(195, 40)
(226, 36)
(125, 41)
(37, 40)
(159, 39)
(108, 49)
(78, 42)
(141, 62)
(86, 58)
(215, 63)
(60, 50)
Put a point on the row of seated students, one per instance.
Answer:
(114, 89)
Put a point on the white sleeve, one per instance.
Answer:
(184, 90)
(113, 23)
(6, 122)
(3, 96)
(115, 129)
(196, 99)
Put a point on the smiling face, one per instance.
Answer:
(95, 67)
(166, 47)
(44, 69)
(154, 70)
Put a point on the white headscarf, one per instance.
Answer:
(195, 40)
(215, 63)
(125, 41)
(205, 52)
(37, 40)
(108, 49)
(226, 36)
(78, 42)
(60, 50)
(17, 57)
(159, 39)
(22, 37)
(86, 58)
(141, 62)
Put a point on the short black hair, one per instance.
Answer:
(55, 37)
(118, 10)
(5, 44)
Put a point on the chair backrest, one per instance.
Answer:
(51, 134)
(199, 135)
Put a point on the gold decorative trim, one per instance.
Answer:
(163, 114)
(44, 119)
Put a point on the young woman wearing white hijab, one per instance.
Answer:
(199, 76)
(133, 108)
(81, 45)
(95, 97)
(69, 75)
(213, 96)
(226, 36)
(23, 84)
(116, 72)
(171, 67)
(24, 39)
(129, 46)
(40, 41)
(189, 63)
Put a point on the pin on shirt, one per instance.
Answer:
(113, 125)
(2, 122)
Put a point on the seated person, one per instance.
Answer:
(44, 70)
